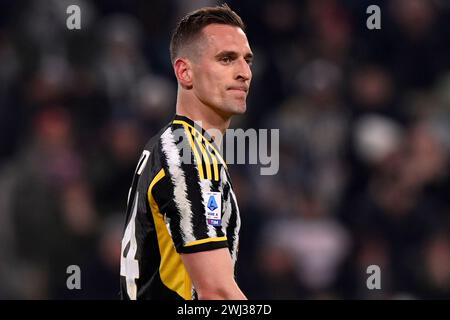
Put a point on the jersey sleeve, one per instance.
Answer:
(190, 194)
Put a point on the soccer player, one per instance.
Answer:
(182, 227)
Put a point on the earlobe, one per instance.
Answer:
(183, 73)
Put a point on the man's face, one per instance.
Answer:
(221, 74)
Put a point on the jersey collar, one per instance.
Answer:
(195, 125)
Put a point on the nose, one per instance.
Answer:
(243, 73)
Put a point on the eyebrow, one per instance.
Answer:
(233, 55)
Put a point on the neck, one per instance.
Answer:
(197, 111)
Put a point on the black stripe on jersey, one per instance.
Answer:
(232, 225)
(219, 232)
(231, 228)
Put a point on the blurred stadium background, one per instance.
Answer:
(364, 119)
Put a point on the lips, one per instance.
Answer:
(239, 88)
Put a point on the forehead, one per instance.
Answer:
(219, 37)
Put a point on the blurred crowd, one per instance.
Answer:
(364, 120)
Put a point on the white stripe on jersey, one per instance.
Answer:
(179, 182)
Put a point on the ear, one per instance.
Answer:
(183, 72)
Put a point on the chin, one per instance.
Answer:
(242, 110)
(234, 109)
(239, 108)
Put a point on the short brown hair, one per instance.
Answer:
(193, 23)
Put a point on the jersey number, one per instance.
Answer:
(129, 266)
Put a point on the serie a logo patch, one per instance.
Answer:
(213, 208)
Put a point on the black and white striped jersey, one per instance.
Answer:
(181, 201)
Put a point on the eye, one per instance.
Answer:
(249, 62)
(226, 60)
